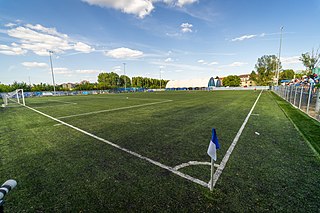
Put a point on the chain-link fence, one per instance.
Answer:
(306, 98)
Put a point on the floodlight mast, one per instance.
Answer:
(278, 67)
(54, 85)
(125, 80)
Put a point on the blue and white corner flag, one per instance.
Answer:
(213, 145)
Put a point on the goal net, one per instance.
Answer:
(13, 98)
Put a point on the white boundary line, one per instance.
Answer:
(63, 101)
(191, 163)
(116, 109)
(234, 143)
(185, 176)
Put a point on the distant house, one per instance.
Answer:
(245, 81)
(68, 86)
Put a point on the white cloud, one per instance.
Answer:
(51, 31)
(39, 39)
(235, 64)
(10, 25)
(14, 49)
(213, 63)
(116, 69)
(168, 60)
(35, 65)
(244, 37)
(140, 8)
(89, 71)
(123, 52)
(61, 70)
(201, 61)
(181, 3)
(186, 27)
(290, 60)
(82, 47)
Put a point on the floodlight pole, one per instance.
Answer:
(54, 85)
(278, 67)
(125, 82)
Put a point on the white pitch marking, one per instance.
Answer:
(235, 140)
(116, 109)
(59, 124)
(255, 114)
(185, 176)
(191, 163)
(67, 102)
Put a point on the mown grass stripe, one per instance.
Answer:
(111, 110)
(232, 146)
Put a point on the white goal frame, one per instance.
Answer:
(18, 94)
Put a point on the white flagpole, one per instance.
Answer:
(212, 172)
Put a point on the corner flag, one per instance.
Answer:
(213, 145)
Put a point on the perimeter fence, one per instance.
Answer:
(304, 97)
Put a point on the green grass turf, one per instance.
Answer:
(59, 169)
(309, 128)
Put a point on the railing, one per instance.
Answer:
(306, 98)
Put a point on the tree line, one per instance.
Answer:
(113, 80)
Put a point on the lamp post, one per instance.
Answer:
(125, 80)
(54, 84)
(278, 67)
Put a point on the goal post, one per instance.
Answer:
(16, 96)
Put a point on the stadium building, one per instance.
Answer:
(194, 84)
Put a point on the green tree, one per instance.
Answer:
(137, 81)
(108, 80)
(265, 70)
(300, 74)
(232, 81)
(21, 85)
(124, 81)
(5, 88)
(310, 60)
(286, 74)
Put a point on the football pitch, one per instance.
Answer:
(147, 152)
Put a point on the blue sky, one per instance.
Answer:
(184, 39)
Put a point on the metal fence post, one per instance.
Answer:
(309, 98)
(295, 96)
(290, 94)
(318, 101)
(300, 97)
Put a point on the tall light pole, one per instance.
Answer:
(54, 84)
(125, 80)
(278, 67)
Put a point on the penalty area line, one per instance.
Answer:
(234, 143)
(163, 166)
